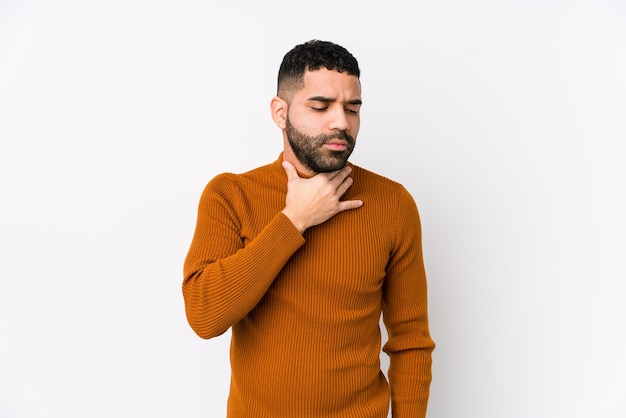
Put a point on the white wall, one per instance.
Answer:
(506, 121)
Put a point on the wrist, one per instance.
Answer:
(294, 220)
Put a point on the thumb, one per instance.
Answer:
(292, 174)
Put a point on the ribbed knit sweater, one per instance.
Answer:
(305, 308)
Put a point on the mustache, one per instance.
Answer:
(322, 139)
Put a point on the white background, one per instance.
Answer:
(505, 120)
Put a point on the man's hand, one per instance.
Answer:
(313, 201)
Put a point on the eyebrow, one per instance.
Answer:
(324, 99)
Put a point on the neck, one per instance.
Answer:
(288, 155)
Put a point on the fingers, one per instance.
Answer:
(344, 186)
(350, 204)
(337, 178)
(312, 201)
(341, 181)
(341, 174)
(291, 171)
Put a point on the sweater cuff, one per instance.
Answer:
(286, 231)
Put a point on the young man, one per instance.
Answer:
(300, 257)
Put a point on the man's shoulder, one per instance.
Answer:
(261, 171)
(262, 175)
(371, 179)
(369, 183)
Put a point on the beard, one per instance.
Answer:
(312, 154)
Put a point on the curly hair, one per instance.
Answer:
(312, 56)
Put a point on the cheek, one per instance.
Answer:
(354, 127)
(307, 124)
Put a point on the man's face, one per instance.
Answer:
(323, 120)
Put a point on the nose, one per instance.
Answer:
(339, 119)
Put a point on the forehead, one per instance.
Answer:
(331, 83)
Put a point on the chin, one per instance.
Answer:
(328, 167)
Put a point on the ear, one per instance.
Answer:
(279, 109)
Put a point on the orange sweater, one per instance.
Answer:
(305, 309)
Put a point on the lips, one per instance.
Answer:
(337, 145)
(337, 141)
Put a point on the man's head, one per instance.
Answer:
(317, 106)
(312, 56)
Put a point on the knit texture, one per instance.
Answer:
(305, 308)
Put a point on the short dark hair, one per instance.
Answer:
(312, 56)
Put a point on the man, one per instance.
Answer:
(301, 256)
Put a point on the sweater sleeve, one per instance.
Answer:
(405, 315)
(223, 278)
